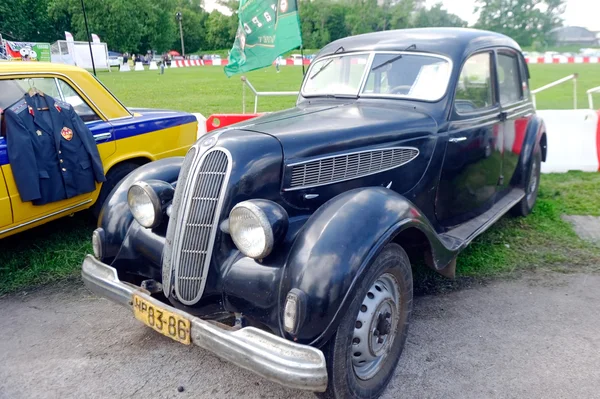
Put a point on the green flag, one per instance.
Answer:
(266, 29)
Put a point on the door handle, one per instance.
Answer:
(102, 136)
(457, 139)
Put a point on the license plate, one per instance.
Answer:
(167, 323)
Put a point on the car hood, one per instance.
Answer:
(311, 131)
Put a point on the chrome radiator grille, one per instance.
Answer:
(348, 166)
(197, 223)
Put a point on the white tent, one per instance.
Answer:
(78, 53)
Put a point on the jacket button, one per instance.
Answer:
(61, 161)
(59, 152)
(64, 170)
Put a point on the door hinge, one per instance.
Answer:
(503, 116)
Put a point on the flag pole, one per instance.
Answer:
(87, 28)
(302, 54)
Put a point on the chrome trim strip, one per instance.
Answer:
(45, 217)
(352, 177)
(272, 357)
(176, 251)
(102, 136)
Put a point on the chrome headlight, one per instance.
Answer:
(256, 225)
(146, 200)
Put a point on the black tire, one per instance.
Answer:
(532, 185)
(340, 352)
(114, 176)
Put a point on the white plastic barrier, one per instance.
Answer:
(201, 124)
(153, 66)
(573, 140)
(138, 66)
(124, 67)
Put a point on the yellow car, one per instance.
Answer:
(126, 137)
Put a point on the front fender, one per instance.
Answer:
(337, 244)
(115, 217)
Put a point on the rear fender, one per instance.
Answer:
(335, 248)
(115, 217)
(535, 134)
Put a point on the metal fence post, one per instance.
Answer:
(576, 75)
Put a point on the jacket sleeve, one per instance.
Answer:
(90, 145)
(22, 157)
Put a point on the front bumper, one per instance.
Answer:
(272, 357)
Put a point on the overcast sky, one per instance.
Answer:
(584, 13)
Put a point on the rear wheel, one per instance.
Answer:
(363, 353)
(532, 184)
(113, 177)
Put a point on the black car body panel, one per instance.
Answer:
(451, 169)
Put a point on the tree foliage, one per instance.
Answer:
(526, 21)
(436, 16)
(141, 25)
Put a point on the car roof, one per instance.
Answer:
(455, 43)
(35, 66)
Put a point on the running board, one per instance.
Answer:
(460, 236)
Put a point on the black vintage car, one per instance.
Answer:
(284, 244)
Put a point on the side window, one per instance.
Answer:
(83, 110)
(474, 86)
(12, 90)
(509, 81)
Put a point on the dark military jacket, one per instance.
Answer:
(52, 153)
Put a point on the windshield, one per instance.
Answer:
(403, 75)
(338, 75)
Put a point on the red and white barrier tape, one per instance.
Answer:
(560, 59)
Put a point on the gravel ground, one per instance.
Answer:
(533, 337)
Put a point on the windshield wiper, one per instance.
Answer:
(384, 63)
(326, 64)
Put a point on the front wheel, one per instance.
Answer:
(364, 351)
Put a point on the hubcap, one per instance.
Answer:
(375, 327)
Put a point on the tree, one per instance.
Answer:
(160, 29)
(121, 24)
(26, 20)
(526, 21)
(436, 16)
(218, 31)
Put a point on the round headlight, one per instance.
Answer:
(256, 225)
(144, 204)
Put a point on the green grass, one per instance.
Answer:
(48, 253)
(561, 96)
(55, 251)
(206, 90)
(543, 238)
